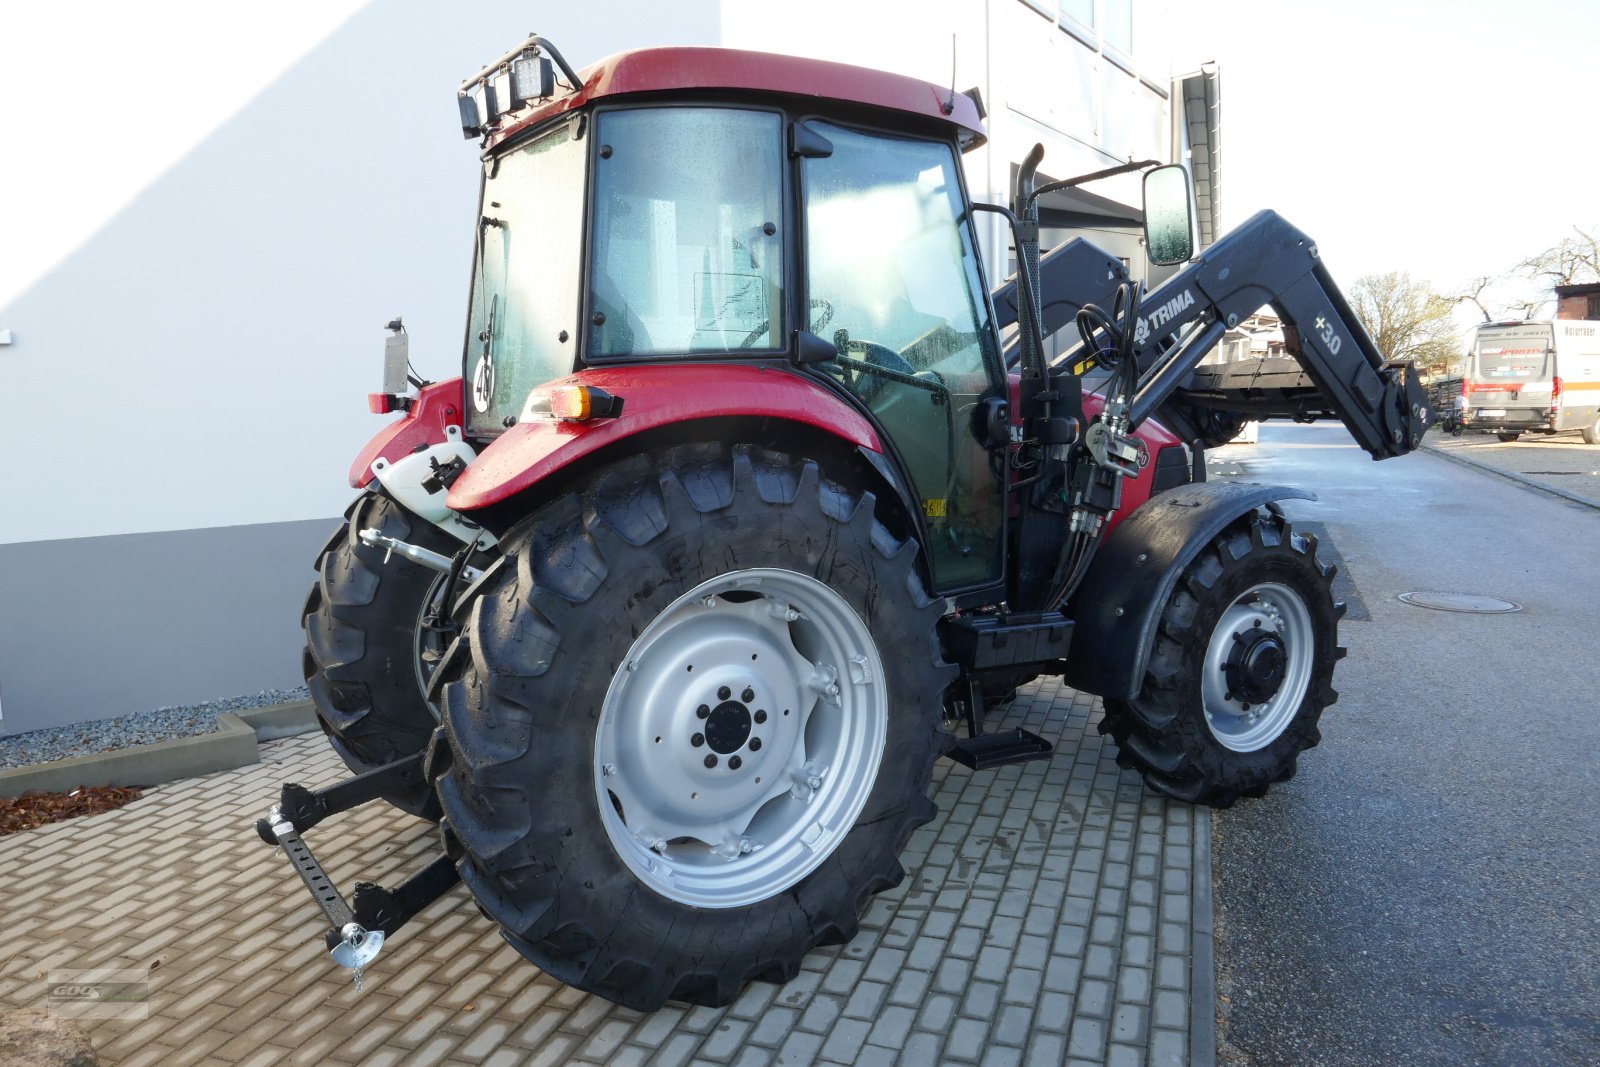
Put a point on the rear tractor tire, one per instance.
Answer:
(1241, 670)
(690, 724)
(368, 655)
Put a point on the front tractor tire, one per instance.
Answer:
(1241, 670)
(690, 724)
(368, 653)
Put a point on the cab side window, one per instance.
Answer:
(688, 241)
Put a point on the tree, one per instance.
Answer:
(1571, 261)
(1497, 297)
(1408, 320)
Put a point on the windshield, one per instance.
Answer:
(1511, 353)
(522, 330)
(688, 246)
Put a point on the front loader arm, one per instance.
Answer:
(1339, 373)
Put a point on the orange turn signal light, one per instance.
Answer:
(574, 403)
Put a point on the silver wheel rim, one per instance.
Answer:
(1240, 724)
(771, 677)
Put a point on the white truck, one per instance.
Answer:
(1535, 376)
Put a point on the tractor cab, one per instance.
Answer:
(757, 217)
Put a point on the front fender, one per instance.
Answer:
(1118, 607)
(653, 396)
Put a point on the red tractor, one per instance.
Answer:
(754, 499)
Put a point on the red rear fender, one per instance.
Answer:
(436, 406)
(652, 396)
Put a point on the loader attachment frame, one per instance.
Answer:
(1341, 374)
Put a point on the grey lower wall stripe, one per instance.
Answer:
(96, 627)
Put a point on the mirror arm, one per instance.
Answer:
(1084, 179)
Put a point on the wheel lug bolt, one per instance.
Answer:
(761, 715)
(703, 711)
(734, 763)
(724, 693)
(755, 744)
(711, 761)
(697, 740)
(748, 695)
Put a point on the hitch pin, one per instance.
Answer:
(438, 561)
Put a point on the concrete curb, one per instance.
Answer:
(1510, 476)
(1203, 962)
(233, 744)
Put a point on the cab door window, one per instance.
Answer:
(893, 280)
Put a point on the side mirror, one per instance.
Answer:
(1168, 216)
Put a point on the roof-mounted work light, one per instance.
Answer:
(528, 75)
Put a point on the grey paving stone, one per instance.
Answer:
(1088, 1039)
(1002, 1056)
(1171, 1010)
(893, 1025)
(1094, 999)
(909, 988)
(952, 976)
(1045, 914)
(1046, 1050)
(993, 963)
(1012, 1026)
(866, 1000)
(801, 1048)
(921, 1050)
(981, 1000)
(845, 1042)
(1133, 985)
(1022, 986)
(773, 1028)
(821, 1014)
(967, 1039)
(1169, 1048)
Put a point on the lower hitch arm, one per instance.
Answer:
(357, 928)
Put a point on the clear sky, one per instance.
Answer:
(1445, 139)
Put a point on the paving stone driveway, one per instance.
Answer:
(1045, 918)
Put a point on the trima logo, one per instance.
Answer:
(1161, 316)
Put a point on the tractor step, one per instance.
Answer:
(358, 927)
(996, 750)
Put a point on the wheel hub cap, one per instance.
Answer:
(728, 727)
(740, 738)
(1257, 667)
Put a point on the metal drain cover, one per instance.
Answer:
(1471, 603)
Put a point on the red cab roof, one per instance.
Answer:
(664, 70)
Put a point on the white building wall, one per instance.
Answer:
(209, 212)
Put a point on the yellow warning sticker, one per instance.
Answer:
(936, 508)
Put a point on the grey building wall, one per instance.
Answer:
(95, 627)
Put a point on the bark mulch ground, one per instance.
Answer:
(35, 808)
